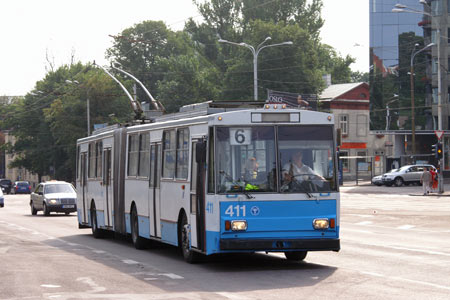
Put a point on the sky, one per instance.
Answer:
(36, 32)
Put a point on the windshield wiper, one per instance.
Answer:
(241, 189)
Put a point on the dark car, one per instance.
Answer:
(21, 187)
(5, 185)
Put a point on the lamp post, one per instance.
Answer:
(403, 8)
(413, 122)
(255, 52)
(87, 107)
(388, 116)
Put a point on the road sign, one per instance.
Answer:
(439, 133)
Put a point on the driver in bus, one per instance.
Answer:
(296, 170)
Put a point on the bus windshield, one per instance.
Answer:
(250, 159)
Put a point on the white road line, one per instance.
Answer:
(347, 224)
(172, 276)
(365, 223)
(130, 262)
(406, 227)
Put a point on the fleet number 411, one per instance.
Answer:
(236, 210)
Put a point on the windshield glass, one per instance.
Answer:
(58, 188)
(246, 159)
(306, 159)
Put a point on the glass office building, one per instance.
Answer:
(401, 42)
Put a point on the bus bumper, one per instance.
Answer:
(280, 244)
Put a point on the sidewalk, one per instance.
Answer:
(365, 186)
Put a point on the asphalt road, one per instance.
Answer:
(395, 245)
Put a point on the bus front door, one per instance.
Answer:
(107, 186)
(83, 181)
(154, 186)
(198, 175)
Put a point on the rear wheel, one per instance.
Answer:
(138, 242)
(398, 181)
(184, 242)
(295, 255)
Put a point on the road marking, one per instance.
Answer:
(51, 286)
(172, 276)
(406, 227)
(130, 262)
(365, 223)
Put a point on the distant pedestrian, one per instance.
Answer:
(426, 181)
(434, 180)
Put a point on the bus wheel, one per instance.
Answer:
(96, 232)
(183, 237)
(138, 242)
(295, 255)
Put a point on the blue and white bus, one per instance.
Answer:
(215, 180)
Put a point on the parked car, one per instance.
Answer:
(53, 196)
(2, 199)
(409, 174)
(21, 187)
(5, 185)
(378, 180)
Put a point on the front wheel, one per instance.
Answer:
(46, 211)
(33, 210)
(398, 181)
(295, 255)
(183, 237)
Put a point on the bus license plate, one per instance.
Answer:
(68, 206)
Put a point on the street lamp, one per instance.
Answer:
(388, 116)
(403, 8)
(88, 115)
(255, 53)
(413, 122)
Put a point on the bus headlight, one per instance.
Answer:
(321, 223)
(238, 225)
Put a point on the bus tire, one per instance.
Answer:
(138, 242)
(295, 255)
(189, 255)
(96, 232)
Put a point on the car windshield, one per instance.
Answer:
(58, 188)
(246, 159)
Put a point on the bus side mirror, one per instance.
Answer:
(200, 152)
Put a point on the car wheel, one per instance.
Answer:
(67, 213)
(33, 210)
(183, 241)
(96, 232)
(46, 210)
(398, 181)
(295, 255)
(138, 242)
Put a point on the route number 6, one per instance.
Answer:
(240, 136)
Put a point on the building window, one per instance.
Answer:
(436, 7)
(343, 158)
(433, 36)
(435, 96)
(361, 125)
(434, 65)
(144, 155)
(182, 153)
(133, 154)
(169, 144)
(343, 124)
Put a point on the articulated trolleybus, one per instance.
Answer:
(215, 180)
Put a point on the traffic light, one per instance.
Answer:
(439, 151)
(434, 150)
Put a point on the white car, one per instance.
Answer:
(409, 174)
(56, 196)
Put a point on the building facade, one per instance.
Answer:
(404, 75)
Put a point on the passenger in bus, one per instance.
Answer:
(296, 171)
